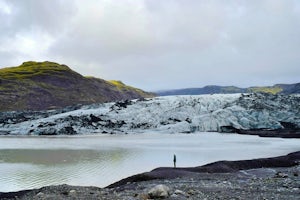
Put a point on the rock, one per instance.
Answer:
(159, 191)
(4, 132)
(180, 192)
(72, 192)
(94, 118)
(295, 174)
(121, 104)
(68, 130)
(188, 120)
(40, 195)
(227, 129)
(49, 131)
(191, 192)
(281, 175)
(143, 196)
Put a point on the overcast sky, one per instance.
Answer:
(158, 44)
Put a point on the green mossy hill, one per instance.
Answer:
(49, 85)
(31, 69)
(125, 88)
(271, 90)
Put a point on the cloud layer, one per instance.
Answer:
(158, 44)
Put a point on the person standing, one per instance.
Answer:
(174, 160)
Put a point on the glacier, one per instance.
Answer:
(168, 114)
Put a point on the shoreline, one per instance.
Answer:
(267, 173)
(288, 160)
(290, 132)
(276, 133)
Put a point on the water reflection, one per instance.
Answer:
(32, 162)
(60, 156)
(30, 168)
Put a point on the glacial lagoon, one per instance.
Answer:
(28, 162)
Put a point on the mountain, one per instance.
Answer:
(172, 114)
(211, 89)
(48, 85)
(289, 88)
(214, 89)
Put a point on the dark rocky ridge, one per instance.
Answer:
(48, 85)
(281, 133)
(289, 160)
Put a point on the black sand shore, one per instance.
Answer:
(266, 178)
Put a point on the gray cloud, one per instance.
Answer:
(159, 44)
(30, 27)
(48, 16)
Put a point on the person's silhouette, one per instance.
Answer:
(174, 160)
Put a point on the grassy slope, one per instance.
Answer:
(47, 85)
(272, 89)
(122, 87)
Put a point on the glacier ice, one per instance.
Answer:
(169, 114)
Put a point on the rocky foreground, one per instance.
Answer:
(240, 113)
(271, 178)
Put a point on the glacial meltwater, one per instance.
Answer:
(99, 160)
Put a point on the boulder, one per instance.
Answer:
(72, 192)
(159, 191)
(281, 175)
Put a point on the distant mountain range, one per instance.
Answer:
(49, 85)
(214, 89)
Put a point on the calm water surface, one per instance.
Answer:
(99, 160)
